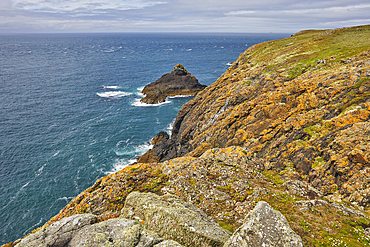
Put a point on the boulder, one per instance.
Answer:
(58, 234)
(115, 232)
(172, 218)
(264, 226)
(168, 243)
(178, 82)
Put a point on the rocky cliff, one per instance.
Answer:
(302, 104)
(276, 152)
(178, 82)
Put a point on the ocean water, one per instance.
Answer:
(70, 110)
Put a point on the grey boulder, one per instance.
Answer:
(264, 226)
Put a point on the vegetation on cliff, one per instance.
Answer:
(288, 123)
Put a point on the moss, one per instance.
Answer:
(226, 226)
(359, 83)
(272, 176)
(319, 162)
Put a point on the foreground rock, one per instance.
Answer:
(164, 221)
(178, 82)
(264, 226)
(172, 218)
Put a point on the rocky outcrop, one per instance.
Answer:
(172, 218)
(178, 82)
(264, 226)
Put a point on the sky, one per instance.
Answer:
(236, 16)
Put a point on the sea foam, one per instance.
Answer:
(137, 102)
(113, 94)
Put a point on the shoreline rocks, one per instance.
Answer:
(178, 82)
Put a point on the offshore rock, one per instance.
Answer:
(264, 226)
(172, 218)
(178, 82)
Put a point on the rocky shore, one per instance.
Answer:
(276, 152)
(178, 82)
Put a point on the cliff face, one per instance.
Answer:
(288, 123)
(302, 104)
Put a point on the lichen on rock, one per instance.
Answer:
(264, 226)
(172, 218)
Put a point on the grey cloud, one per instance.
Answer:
(176, 15)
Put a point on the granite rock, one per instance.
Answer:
(172, 218)
(264, 226)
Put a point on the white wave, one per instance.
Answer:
(170, 127)
(189, 49)
(140, 88)
(120, 164)
(25, 185)
(141, 149)
(229, 64)
(137, 102)
(115, 94)
(168, 49)
(180, 96)
(39, 171)
(56, 153)
(108, 51)
(32, 227)
(110, 87)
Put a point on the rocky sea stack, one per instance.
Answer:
(276, 152)
(178, 82)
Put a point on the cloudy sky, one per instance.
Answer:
(287, 16)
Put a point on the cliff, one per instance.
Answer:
(178, 82)
(285, 129)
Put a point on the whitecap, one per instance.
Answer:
(189, 49)
(139, 93)
(39, 171)
(108, 51)
(180, 96)
(25, 185)
(113, 94)
(170, 127)
(120, 164)
(137, 102)
(110, 87)
(56, 153)
(33, 227)
(140, 149)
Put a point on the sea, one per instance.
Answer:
(70, 110)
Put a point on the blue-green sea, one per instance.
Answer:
(70, 110)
